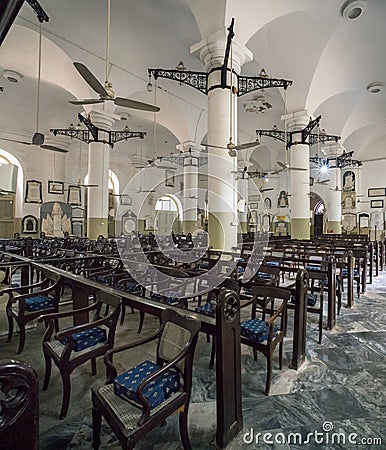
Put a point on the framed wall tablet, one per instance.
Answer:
(376, 192)
(33, 192)
(55, 187)
(169, 178)
(74, 196)
(29, 225)
(377, 203)
(126, 200)
(267, 203)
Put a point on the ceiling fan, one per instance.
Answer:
(231, 147)
(325, 181)
(285, 166)
(106, 91)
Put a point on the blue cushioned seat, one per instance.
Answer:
(264, 275)
(255, 329)
(272, 263)
(204, 265)
(38, 302)
(311, 299)
(87, 338)
(314, 268)
(171, 298)
(345, 272)
(156, 392)
(209, 309)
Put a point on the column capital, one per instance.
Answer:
(189, 145)
(211, 51)
(297, 120)
(332, 149)
(103, 119)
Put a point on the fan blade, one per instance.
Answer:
(247, 145)
(15, 140)
(53, 148)
(281, 164)
(90, 79)
(323, 182)
(86, 101)
(127, 103)
(301, 169)
(266, 189)
(214, 146)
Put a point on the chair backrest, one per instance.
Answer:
(178, 333)
(19, 412)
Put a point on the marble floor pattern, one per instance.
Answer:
(339, 389)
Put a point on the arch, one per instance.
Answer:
(19, 197)
(177, 203)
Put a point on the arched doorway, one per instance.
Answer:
(317, 208)
(168, 214)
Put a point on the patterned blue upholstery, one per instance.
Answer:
(314, 268)
(209, 309)
(87, 338)
(157, 391)
(171, 298)
(204, 265)
(345, 272)
(311, 299)
(38, 302)
(133, 286)
(256, 330)
(272, 263)
(264, 275)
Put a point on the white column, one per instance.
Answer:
(222, 107)
(334, 194)
(98, 173)
(299, 156)
(242, 188)
(190, 194)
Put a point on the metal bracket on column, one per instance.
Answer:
(199, 80)
(228, 368)
(84, 135)
(306, 136)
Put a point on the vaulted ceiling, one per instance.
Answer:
(330, 58)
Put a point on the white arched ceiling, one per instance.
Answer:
(19, 52)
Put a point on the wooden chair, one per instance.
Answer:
(73, 346)
(19, 412)
(132, 416)
(265, 334)
(43, 297)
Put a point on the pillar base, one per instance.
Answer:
(300, 228)
(141, 226)
(97, 226)
(189, 226)
(244, 227)
(222, 235)
(334, 227)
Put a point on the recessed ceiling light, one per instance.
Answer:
(12, 76)
(352, 9)
(374, 88)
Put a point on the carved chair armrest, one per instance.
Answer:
(142, 399)
(108, 358)
(277, 313)
(53, 316)
(86, 326)
(11, 290)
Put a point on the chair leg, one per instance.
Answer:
(10, 327)
(21, 338)
(320, 327)
(183, 419)
(123, 313)
(93, 366)
(47, 374)
(269, 373)
(212, 353)
(141, 320)
(96, 428)
(66, 394)
(280, 355)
